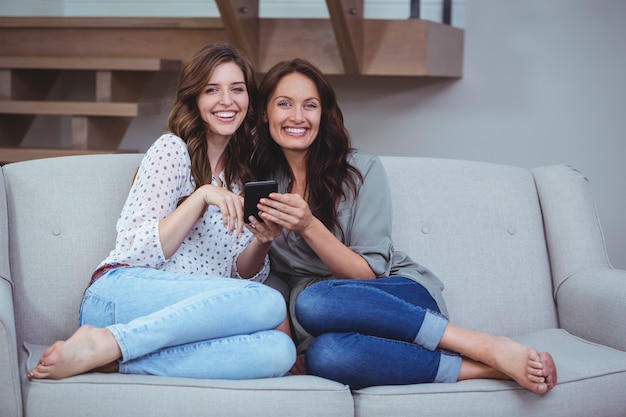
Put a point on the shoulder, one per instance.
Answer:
(167, 144)
(168, 149)
(365, 162)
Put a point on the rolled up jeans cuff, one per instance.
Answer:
(431, 332)
(449, 368)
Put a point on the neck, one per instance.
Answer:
(216, 145)
(297, 166)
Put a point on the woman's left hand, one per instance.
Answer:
(265, 231)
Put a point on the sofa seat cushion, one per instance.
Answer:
(98, 394)
(584, 371)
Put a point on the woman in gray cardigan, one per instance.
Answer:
(364, 312)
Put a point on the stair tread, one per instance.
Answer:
(89, 63)
(79, 108)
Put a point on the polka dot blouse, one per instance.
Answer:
(163, 177)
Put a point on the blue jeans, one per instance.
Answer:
(190, 326)
(375, 332)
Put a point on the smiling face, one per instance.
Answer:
(294, 111)
(223, 102)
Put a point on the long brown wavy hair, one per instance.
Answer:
(185, 121)
(327, 168)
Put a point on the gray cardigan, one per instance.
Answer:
(366, 224)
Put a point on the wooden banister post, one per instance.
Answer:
(346, 17)
(241, 22)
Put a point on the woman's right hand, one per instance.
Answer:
(289, 211)
(229, 204)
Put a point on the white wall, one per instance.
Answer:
(543, 84)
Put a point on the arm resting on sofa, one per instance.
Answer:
(592, 305)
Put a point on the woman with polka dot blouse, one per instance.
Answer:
(376, 316)
(181, 294)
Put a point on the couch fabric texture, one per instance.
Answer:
(520, 251)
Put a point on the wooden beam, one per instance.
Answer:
(311, 39)
(241, 21)
(79, 108)
(346, 17)
(89, 63)
(176, 39)
(412, 47)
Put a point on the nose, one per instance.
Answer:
(296, 116)
(225, 98)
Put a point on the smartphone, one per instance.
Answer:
(253, 192)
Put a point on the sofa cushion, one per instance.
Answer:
(585, 371)
(105, 395)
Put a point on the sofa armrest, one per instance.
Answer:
(10, 391)
(572, 227)
(592, 305)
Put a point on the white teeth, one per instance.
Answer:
(225, 114)
(295, 131)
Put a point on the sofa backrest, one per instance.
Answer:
(62, 214)
(479, 228)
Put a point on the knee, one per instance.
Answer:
(325, 355)
(271, 306)
(310, 303)
(282, 354)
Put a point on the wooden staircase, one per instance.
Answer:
(98, 125)
(122, 55)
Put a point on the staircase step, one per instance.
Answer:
(79, 108)
(89, 63)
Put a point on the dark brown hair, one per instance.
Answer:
(185, 121)
(326, 162)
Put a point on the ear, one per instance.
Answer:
(264, 117)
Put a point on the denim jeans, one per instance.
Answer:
(375, 332)
(190, 326)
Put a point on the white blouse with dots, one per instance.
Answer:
(164, 176)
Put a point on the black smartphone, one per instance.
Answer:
(253, 192)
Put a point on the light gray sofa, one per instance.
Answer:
(521, 253)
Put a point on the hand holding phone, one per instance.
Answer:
(253, 192)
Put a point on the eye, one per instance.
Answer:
(210, 90)
(239, 90)
(310, 105)
(284, 104)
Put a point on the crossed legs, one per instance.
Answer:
(392, 309)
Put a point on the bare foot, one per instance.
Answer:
(87, 349)
(521, 363)
(549, 369)
(532, 370)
